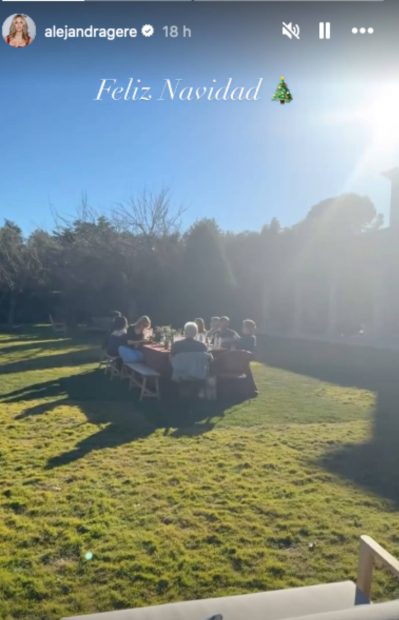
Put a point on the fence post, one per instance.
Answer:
(365, 569)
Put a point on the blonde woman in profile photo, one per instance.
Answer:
(19, 32)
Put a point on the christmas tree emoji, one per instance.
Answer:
(282, 93)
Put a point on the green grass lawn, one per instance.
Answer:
(269, 493)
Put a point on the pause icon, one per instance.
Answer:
(324, 30)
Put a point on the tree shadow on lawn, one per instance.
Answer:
(33, 344)
(26, 332)
(29, 338)
(374, 464)
(38, 362)
(33, 335)
(109, 402)
(16, 339)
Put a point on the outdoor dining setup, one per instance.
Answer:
(190, 362)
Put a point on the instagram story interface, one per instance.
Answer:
(199, 307)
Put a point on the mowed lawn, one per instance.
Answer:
(105, 503)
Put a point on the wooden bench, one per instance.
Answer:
(372, 554)
(142, 376)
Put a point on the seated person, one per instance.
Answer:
(228, 337)
(115, 314)
(134, 339)
(189, 358)
(214, 326)
(188, 344)
(202, 332)
(117, 337)
(247, 341)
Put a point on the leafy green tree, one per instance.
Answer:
(137, 261)
(18, 265)
(207, 284)
(90, 274)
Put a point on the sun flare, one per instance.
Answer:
(381, 117)
(377, 117)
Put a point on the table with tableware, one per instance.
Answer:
(231, 367)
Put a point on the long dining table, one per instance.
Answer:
(158, 358)
(230, 367)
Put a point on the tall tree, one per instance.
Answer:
(18, 264)
(208, 282)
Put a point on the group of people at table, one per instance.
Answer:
(197, 354)
(126, 341)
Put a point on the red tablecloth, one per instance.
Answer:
(233, 373)
(157, 358)
(226, 366)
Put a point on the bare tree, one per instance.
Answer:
(84, 212)
(148, 215)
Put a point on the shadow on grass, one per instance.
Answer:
(373, 465)
(109, 402)
(32, 344)
(16, 339)
(27, 331)
(43, 362)
(33, 335)
(36, 347)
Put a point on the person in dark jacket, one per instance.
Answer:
(247, 341)
(117, 336)
(227, 337)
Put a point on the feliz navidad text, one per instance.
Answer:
(111, 89)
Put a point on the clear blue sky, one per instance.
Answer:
(242, 163)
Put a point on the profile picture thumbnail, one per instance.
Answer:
(19, 30)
